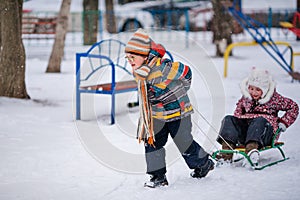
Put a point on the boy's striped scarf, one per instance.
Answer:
(145, 127)
(145, 130)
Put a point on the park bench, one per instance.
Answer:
(103, 69)
(38, 27)
(97, 70)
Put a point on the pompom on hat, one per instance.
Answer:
(140, 43)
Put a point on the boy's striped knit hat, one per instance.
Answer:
(140, 43)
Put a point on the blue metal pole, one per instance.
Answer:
(100, 25)
(113, 99)
(270, 20)
(187, 28)
(77, 86)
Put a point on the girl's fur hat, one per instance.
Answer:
(262, 79)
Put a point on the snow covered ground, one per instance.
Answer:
(46, 154)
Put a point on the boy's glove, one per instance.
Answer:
(142, 72)
(282, 126)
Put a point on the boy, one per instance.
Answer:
(165, 108)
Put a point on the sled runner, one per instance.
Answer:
(239, 154)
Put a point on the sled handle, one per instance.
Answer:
(278, 131)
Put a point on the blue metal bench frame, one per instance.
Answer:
(112, 88)
(105, 61)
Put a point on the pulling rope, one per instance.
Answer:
(213, 128)
(203, 132)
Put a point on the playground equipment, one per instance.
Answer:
(293, 26)
(262, 37)
(253, 43)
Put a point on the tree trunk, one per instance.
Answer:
(110, 16)
(60, 36)
(90, 19)
(12, 52)
(222, 26)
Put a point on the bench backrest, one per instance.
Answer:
(102, 63)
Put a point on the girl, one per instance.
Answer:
(256, 118)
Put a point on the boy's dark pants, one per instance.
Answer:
(180, 130)
(242, 131)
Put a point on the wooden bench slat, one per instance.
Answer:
(122, 85)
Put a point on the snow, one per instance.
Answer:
(47, 154)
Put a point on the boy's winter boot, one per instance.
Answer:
(157, 181)
(203, 170)
(252, 151)
(226, 156)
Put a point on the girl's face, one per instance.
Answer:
(135, 60)
(255, 92)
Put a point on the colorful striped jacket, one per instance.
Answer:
(167, 84)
